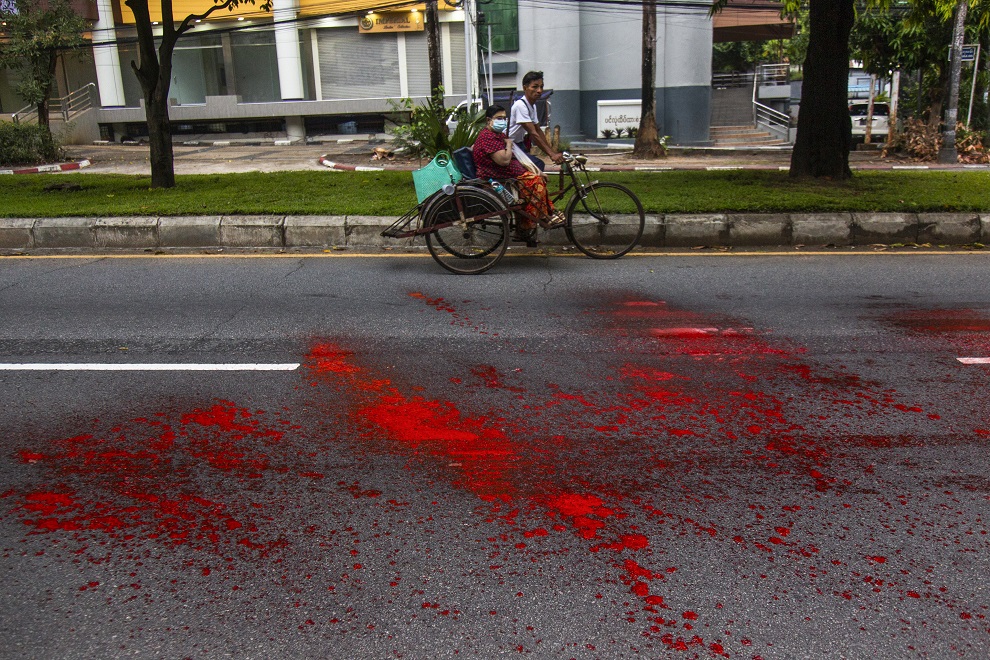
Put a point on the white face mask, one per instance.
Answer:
(499, 125)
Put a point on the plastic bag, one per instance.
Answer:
(523, 158)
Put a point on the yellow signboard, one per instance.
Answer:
(307, 8)
(391, 21)
(183, 8)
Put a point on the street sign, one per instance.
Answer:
(968, 52)
(8, 6)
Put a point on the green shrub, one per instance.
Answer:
(427, 131)
(27, 144)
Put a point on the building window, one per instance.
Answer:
(503, 16)
(196, 65)
(255, 66)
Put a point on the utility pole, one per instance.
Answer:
(948, 152)
(433, 48)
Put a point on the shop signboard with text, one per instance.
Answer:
(622, 114)
(391, 21)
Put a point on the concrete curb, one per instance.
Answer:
(342, 167)
(59, 167)
(337, 231)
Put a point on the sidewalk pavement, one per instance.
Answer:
(363, 233)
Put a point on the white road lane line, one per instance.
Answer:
(974, 360)
(103, 366)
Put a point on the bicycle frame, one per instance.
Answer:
(575, 183)
(400, 228)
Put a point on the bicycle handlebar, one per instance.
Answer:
(574, 158)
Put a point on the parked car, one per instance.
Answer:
(858, 112)
(455, 114)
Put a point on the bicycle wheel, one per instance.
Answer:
(605, 220)
(470, 246)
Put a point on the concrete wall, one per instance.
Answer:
(611, 63)
(81, 129)
(549, 41)
(682, 112)
(594, 52)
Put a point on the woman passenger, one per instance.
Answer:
(493, 159)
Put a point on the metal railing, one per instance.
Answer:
(774, 121)
(726, 80)
(67, 106)
(26, 115)
(773, 74)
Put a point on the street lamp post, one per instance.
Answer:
(948, 152)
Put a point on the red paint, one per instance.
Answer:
(740, 406)
(481, 452)
(136, 484)
(492, 378)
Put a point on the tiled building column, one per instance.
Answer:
(107, 60)
(287, 50)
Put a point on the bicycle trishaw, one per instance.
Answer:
(468, 226)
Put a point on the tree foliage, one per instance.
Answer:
(37, 33)
(914, 36)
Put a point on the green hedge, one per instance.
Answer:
(27, 144)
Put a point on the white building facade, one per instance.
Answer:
(309, 67)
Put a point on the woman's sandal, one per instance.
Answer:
(558, 219)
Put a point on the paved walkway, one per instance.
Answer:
(348, 153)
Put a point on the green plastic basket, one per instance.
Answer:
(435, 175)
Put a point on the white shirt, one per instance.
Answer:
(522, 112)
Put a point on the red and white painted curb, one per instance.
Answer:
(656, 169)
(63, 167)
(341, 167)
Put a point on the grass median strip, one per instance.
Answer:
(392, 193)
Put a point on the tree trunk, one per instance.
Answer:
(647, 138)
(986, 59)
(433, 48)
(43, 119)
(160, 136)
(44, 105)
(824, 134)
(948, 152)
(154, 72)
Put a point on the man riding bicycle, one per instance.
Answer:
(524, 122)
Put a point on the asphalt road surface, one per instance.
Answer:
(659, 457)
